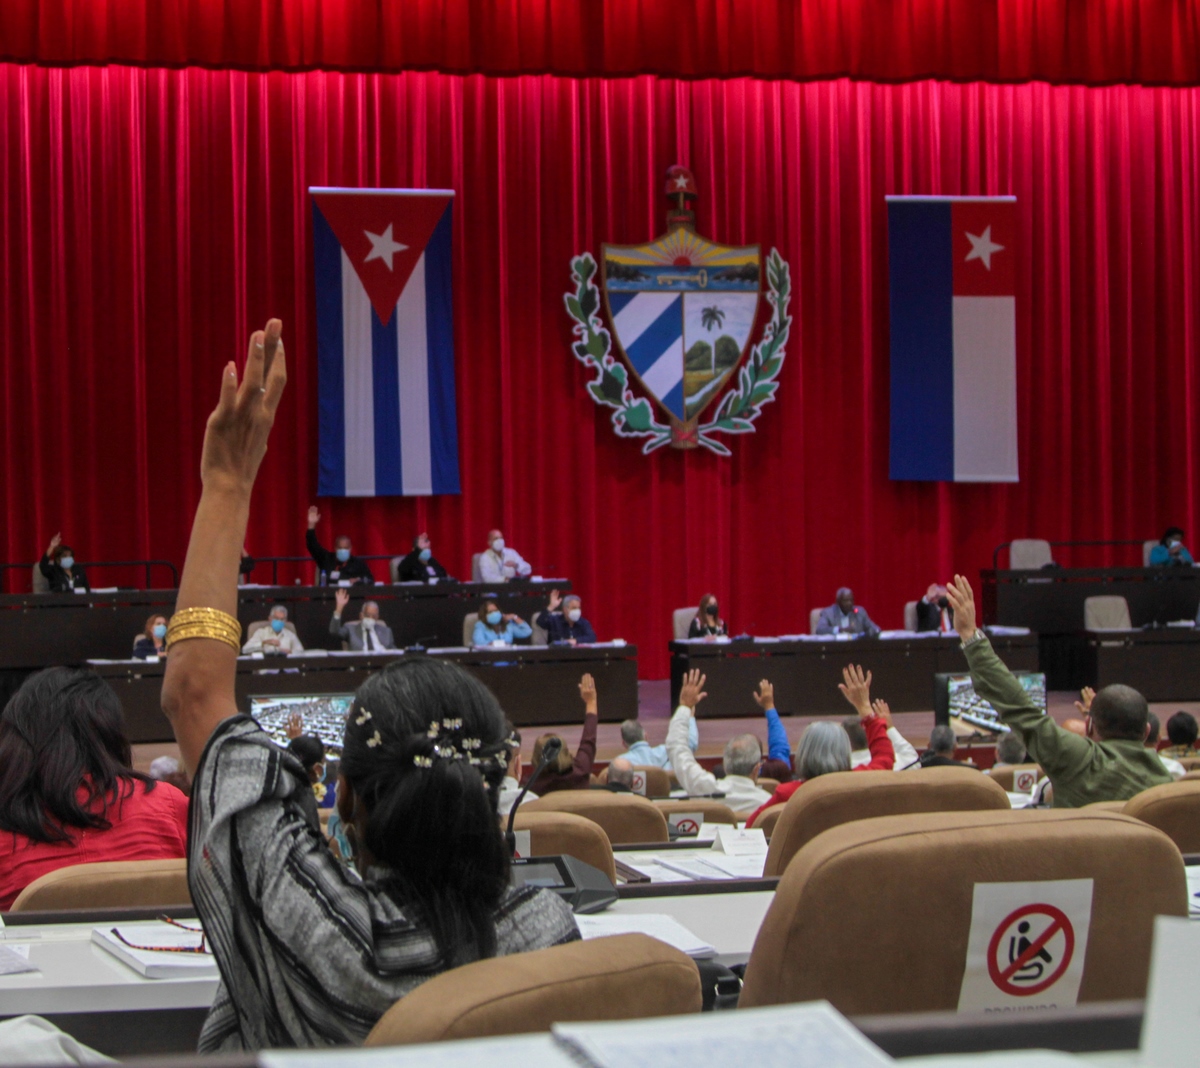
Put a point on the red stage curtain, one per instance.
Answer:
(150, 219)
(1094, 42)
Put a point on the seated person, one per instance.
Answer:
(940, 753)
(274, 639)
(565, 772)
(934, 612)
(1182, 731)
(420, 565)
(310, 751)
(499, 563)
(773, 768)
(341, 565)
(1010, 751)
(68, 792)
(845, 617)
(620, 777)
(743, 753)
(368, 633)
(59, 568)
(563, 621)
(494, 626)
(825, 747)
(1111, 763)
(640, 753)
(168, 769)
(153, 640)
(424, 752)
(510, 787)
(1177, 770)
(1170, 551)
(708, 622)
(905, 756)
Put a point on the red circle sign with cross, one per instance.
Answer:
(1019, 960)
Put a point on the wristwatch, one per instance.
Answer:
(974, 639)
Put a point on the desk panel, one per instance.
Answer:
(1163, 665)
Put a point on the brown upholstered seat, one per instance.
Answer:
(767, 821)
(714, 811)
(658, 781)
(1174, 809)
(875, 914)
(1189, 763)
(854, 795)
(1106, 806)
(621, 978)
(113, 884)
(626, 818)
(1004, 777)
(552, 833)
(765, 782)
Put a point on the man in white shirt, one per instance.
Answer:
(500, 563)
(511, 785)
(275, 637)
(906, 755)
(742, 755)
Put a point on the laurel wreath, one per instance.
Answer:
(634, 417)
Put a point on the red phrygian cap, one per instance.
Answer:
(680, 180)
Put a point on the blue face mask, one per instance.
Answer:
(494, 617)
(159, 631)
(424, 556)
(67, 562)
(343, 555)
(277, 625)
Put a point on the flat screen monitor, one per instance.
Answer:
(954, 695)
(324, 715)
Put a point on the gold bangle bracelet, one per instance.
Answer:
(200, 622)
(183, 634)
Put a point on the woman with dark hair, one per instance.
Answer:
(153, 640)
(59, 568)
(312, 953)
(68, 794)
(708, 622)
(494, 626)
(1170, 550)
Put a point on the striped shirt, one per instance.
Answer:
(309, 953)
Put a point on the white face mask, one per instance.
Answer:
(574, 615)
(369, 622)
(498, 545)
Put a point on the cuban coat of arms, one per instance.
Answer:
(681, 314)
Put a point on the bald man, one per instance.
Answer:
(620, 776)
(500, 563)
(845, 617)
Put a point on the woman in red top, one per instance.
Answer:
(68, 794)
(825, 747)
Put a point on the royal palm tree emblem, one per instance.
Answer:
(711, 318)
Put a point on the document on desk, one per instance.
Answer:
(713, 866)
(15, 959)
(655, 924)
(814, 1035)
(1193, 885)
(157, 950)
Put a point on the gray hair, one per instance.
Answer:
(823, 748)
(620, 771)
(941, 739)
(632, 733)
(855, 731)
(370, 604)
(163, 766)
(1010, 749)
(571, 598)
(742, 754)
(279, 610)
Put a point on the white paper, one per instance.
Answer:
(704, 867)
(655, 924)
(13, 961)
(1172, 1015)
(740, 842)
(524, 846)
(654, 871)
(1027, 945)
(1193, 885)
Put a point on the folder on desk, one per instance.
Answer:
(152, 950)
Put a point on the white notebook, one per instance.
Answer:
(655, 924)
(152, 963)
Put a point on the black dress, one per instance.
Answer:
(60, 581)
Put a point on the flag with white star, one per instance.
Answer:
(387, 419)
(952, 289)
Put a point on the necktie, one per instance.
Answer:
(367, 643)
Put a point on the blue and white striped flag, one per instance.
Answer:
(385, 342)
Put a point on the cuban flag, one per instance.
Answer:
(385, 342)
(951, 267)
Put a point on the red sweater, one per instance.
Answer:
(147, 825)
(883, 758)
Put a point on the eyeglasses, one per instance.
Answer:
(201, 948)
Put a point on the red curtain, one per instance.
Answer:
(149, 219)
(1084, 41)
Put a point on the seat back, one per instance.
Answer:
(681, 622)
(257, 625)
(1189, 763)
(813, 943)
(712, 810)
(765, 782)
(552, 833)
(394, 568)
(658, 780)
(476, 574)
(469, 621)
(910, 615)
(1028, 554)
(1106, 613)
(769, 820)
(626, 818)
(624, 977)
(814, 617)
(844, 796)
(539, 636)
(1147, 549)
(41, 584)
(1006, 777)
(1174, 809)
(111, 884)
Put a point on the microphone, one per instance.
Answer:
(549, 752)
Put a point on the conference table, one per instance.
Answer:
(805, 671)
(44, 629)
(1163, 665)
(534, 684)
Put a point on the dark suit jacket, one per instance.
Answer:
(60, 581)
(411, 568)
(353, 570)
(860, 622)
(929, 616)
(352, 634)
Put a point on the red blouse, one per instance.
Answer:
(147, 825)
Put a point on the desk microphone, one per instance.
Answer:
(549, 753)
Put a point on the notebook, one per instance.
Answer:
(157, 964)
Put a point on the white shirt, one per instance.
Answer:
(288, 641)
(509, 789)
(742, 794)
(501, 568)
(906, 755)
(1177, 770)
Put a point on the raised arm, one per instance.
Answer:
(585, 754)
(777, 739)
(692, 777)
(198, 687)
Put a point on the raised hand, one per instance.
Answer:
(856, 688)
(1084, 704)
(295, 725)
(554, 602)
(587, 690)
(962, 600)
(765, 696)
(340, 600)
(314, 516)
(55, 542)
(692, 691)
(881, 709)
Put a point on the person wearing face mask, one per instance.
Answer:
(500, 563)
(341, 565)
(275, 638)
(59, 568)
(366, 635)
(563, 621)
(494, 626)
(420, 565)
(1170, 551)
(153, 640)
(934, 611)
(708, 622)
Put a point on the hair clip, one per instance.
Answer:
(452, 724)
(422, 761)
(434, 730)
(374, 740)
(471, 743)
(363, 718)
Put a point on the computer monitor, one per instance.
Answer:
(954, 695)
(324, 715)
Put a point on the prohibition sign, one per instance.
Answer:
(1003, 977)
(687, 827)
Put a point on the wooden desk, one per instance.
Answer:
(1163, 665)
(806, 674)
